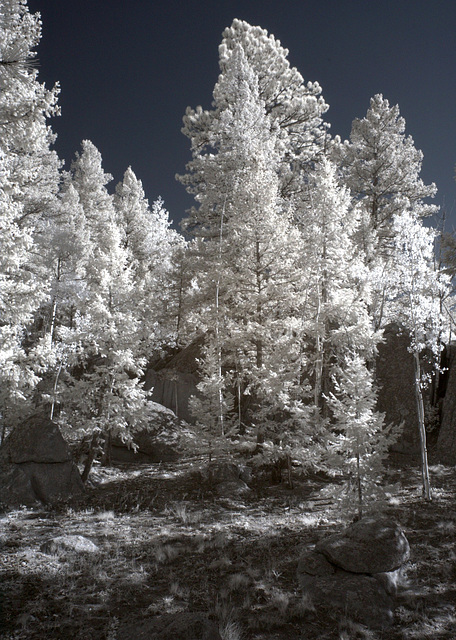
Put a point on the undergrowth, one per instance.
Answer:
(168, 545)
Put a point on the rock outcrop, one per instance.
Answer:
(163, 441)
(357, 571)
(227, 479)
(174, 381)
(68, 544)
(395, 378)
(446, 443)
(36, 465)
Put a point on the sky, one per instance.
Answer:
(129, 68)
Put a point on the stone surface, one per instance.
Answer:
(395, 377)
(342, 573)
(446, 443)
(162, 441)
(61, 544)
(232, 488)
(174, 381)
(360, 597)
(37, 439)
(36, 465)
(371, 545)
(227, 478)
(178, 626)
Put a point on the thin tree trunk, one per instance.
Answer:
(176, 399)
(290, 472)
(54, 390)
(422, 428)
(217, 330)
(360, 488)
(259, 310)
(91, 456)
(106, 460)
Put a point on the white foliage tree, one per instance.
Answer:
(28, 185)
(294, 109)
(382, 166)
(415, 291)
(104, 395)
(337, 292)
(251, 267)
(151, 245)
(359, 445)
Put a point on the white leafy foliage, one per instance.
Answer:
(28, 186)
(415, 286)
(360, 441)
(382, 165)
(294, 110)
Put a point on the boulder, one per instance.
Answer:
(395, 378)
(61, 544)
(232, 488)
(39, 440)
(358, 596)
(227, 478)
(173, 389)
(341, 573)
(36, 465)
(176, 626)
(174, 381)
(163, 441)
(371, 545)
(446, 443)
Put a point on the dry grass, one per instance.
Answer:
(167, 544)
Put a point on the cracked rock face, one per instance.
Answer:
(357, 571)
(36, 465)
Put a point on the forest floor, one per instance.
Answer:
(166, 544)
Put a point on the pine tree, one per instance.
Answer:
(358, 446)
(251, 259)
(103, 396)
(294, 110)
(29, 181)
(337, 289)
(151, 245)
(382, 167)
(414, 296)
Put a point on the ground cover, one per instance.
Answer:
(167, 543)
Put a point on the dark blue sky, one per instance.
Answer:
(129, 68)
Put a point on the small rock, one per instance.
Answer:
(232, 488)
(60, 544)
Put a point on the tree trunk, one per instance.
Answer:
(422, 428)
(91, 456)
(360, 488)
(290, 472)
(106, 460)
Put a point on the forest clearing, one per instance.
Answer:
(167, 544)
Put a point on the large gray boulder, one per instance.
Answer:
(165, 438)
(343, 573)
(371, 545)
(446, 443)
(174, 382)
(36, 465)
(395, 378)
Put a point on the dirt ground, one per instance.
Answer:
(167, 543)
